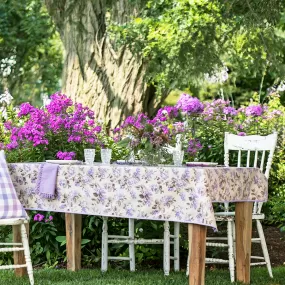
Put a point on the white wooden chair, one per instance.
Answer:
(167, 240)
(12, 213)
(262, 147)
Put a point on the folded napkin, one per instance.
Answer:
(47, 180)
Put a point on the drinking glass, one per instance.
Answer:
(89, 155)
(106, 154)
(178, 157)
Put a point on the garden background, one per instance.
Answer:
(121, 58)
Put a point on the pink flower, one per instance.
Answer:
(242, 134)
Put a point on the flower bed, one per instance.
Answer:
(63, 129)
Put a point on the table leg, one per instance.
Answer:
(197, 254)
(19, 257)
(243, 240)
(73, 225)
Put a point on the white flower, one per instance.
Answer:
(281, 87)
(6, 98)
(220, 76)
(164, 112)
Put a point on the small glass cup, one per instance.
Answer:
(106, 154)
(89, 155)
(178, 157)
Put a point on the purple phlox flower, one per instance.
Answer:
(59, 103)
(98, 129)
(25, 109)
(116, 130)
(138, 121)
(194, 145)
(178, 128)
(8, 125)
(242, 134)
(12, 145)
(274, 114)
(32, 132)
(65, 155)
(129, 121)
(220, 103)
(189, 104)
(166, 112)
(39, 217)
(230, 111)
(254, 110)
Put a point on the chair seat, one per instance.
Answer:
(226, 216)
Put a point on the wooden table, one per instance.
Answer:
(197, 240)
(197, 231)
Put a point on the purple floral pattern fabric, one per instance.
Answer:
(155, 193)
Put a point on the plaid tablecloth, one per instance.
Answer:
(155, 193)
(10, 206)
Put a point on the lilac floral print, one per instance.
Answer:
(155, 193)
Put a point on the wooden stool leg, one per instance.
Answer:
(197, 253)
(73, 224)
(243, 240)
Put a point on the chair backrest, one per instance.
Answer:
(252, 151)
(10, 205)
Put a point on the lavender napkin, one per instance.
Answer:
(47, 180)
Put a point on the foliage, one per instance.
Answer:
(182, 40)
(30, 50)
(44, 247)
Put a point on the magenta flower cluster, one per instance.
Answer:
(66, 155)
(40, 218)
(255, 110)
(62, 124)
(189, 104)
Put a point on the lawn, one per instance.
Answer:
(123, 277)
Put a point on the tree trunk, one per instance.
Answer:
(109, 82)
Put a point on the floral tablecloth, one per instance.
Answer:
(155, 193)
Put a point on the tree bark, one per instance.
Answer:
(109, 81)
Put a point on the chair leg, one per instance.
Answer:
(27, 253)
(104, 259)
(231, 251)
(176, 247)
(166, 249)
(264, 247)
(132, 245)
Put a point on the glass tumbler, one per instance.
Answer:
(178, 157)
(89, 155)
(106, 154)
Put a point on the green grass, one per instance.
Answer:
(259, 276)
